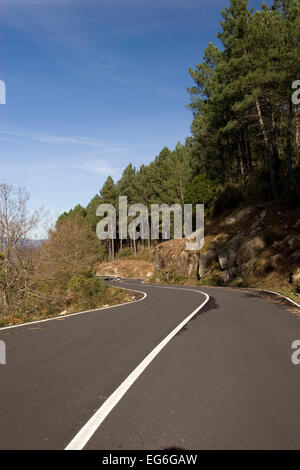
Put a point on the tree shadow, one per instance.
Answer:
(211, 305)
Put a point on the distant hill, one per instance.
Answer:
(35, 243)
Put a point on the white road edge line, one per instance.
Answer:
(272, 292)
(68, 315)
(89, 429)
(280, 295)
(247, 288)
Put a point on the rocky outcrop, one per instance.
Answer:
(123, 267)
(240, 215)
(227, 258)
(205, 262)
(296, 277)
(250, 249)
(239, 250)
(172, 259)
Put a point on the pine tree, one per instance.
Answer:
(108, 195)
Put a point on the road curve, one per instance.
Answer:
(226, 380)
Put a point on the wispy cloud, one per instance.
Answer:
(99, 167)
(96, 55)
(58, 139)
(80, 168)
(36, 2)
(54, 139)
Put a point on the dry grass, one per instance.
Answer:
(127, 267)
(111, 296)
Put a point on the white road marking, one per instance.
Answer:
(245, 288)
(89, 429)
(79, 313)
(276, 293)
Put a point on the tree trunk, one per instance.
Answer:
(297, 130)
(131, 245)
(240, 162)
(109, 249)
(288, 151)
(112, 249)
(249, 152)
(181, 191)
(244, 154)
(298, 135)
(276, 158)
(222, 161)
(5, 303)
(268, 150)
(142, 237)
(134, 246)
(121, 237)
(149, 236)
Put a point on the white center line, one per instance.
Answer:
(89, 429)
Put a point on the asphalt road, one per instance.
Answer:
(225, 381)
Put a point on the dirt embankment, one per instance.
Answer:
(127, 267)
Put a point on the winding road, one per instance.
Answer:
(186, 368)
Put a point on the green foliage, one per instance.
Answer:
(108, 192)
(85, 290)
(201, 190)
(78, 211)
(127, 184)
(227, 197)
(125, 253)
(91, 209)
(213, 280)
(258, 187)
(242, 95)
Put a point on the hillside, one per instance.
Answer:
(257, 246)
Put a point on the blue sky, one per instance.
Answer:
(93, 85)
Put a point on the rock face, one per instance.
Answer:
(205, 261)
(239, 216)
(296, 277)
(127, 268)
(247, 246)
(227, 258)
(171, 259)
(251, 248)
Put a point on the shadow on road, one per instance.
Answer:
(211, 305)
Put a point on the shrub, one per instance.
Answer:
(202, 190)
(227, 197)
(85, 290)
(213, 280)
(258, 187)
(125, 253)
